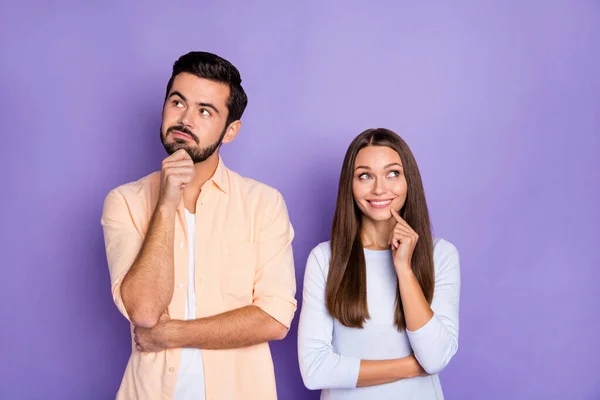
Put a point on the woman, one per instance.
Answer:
(379, 317)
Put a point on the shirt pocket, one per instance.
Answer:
(237, 271)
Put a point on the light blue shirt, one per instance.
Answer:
(329, 352)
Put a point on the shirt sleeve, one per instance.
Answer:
(122, 242)
(320, 366)
(275, 279)
(435, 343)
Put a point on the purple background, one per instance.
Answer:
(500, 103)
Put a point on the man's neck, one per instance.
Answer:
(204, 171)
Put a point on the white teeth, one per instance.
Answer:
(380, 203)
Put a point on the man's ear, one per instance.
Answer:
(232, 131)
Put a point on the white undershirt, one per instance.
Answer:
(190, 381)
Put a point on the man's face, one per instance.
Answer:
(194, 116)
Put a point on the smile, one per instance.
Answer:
(379, 203)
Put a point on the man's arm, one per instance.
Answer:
(147, 288)
(246, 326)
(273, 306)
(142, 267)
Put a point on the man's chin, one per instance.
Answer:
(197, 154)
(173, 147)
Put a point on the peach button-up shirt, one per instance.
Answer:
(243, 256)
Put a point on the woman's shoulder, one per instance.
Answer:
(445, 254)
(441, 245)
(319, 257)
(322, 251)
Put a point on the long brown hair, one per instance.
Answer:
(346, 289)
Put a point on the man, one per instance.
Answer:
(200, 258)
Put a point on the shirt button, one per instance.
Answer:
(181, 245)
(171, 369)
(179, 286)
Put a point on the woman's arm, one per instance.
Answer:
(378, 372)
(435, 343)
(320, 366)
(433, 331)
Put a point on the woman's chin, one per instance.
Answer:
(379, 215)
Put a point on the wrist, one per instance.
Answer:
(166, 207)
(170, 337)
(410, 367)
(403, 268)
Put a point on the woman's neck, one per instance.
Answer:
(375, 235)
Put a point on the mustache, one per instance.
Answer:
(185, 130)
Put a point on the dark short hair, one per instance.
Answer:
(210, 66)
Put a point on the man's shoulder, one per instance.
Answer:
(139, 190)
(253, 189)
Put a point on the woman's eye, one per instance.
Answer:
(364, 176)
(394, 174)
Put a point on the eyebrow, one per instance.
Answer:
(386, 167)
(207, 105)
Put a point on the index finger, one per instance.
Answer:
(180, 154)
(396, 216)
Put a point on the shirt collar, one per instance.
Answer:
(220, 178)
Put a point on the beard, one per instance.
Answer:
(197, 153)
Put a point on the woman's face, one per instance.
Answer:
(379, 183)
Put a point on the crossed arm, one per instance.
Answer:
(434, 342)
(142, 275)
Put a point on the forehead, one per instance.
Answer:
(377, 157)
(200, 90)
